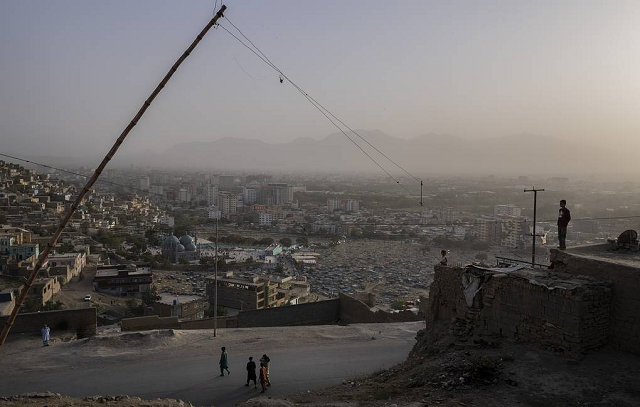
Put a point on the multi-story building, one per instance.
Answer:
(334, 205)
(227, 203)
(249, 195)
(143, 183)
(75, 261)
(351, 205)
(244, 294)
(265, 218)
(184, 195)
(506, 210)
(123, 280)
(212, 195)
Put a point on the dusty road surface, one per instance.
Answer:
(184, 364)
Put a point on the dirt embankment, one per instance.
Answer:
(444, 370)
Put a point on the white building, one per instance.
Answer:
(351, 205)
(184, 195)
(214, 212)
(167, 220)
(265, 218)
(334, 205)
(506, 210)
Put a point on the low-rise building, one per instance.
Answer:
(75, 261)
(185, 307)
(7, 301)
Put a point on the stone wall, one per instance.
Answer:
(353, 310)
(565, 311)
(625, 278)
(83, 321)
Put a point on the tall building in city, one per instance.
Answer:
(249, 195)
(227, 203)
(143, 183)
(212, 195)
(334, 205)
(506, 210)
(184, 195)
(351, 205)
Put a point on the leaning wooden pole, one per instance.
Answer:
(45, 253)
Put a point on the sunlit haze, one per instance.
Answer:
(73, 73)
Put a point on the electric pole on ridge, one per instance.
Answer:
(535, 203)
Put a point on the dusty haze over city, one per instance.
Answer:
(496, 86)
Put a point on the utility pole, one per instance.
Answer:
(535, 204)
(54, 239)
(215, 283)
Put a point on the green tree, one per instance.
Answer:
(184, 261)
(397, 305)
(302, 241)
(285, 242)
(279, 268)
(66, 247)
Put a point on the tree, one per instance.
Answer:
(266, 241)
(302, 241)
(279, 268)
(184, 261)
(397, 305)
(285, 242)
(482, 256)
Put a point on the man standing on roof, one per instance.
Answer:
(564, 217)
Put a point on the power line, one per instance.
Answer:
(325, 112)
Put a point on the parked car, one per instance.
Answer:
(87, 297)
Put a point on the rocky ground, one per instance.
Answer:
(443, 371)
(56, 400)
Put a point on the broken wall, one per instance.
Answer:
(570, 313)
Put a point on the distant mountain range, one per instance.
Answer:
(430, 153)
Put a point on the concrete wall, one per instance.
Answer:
(625, 308)
(83, 321)
(313, 313)
(565, 311)
(223, 322)
(353, 310)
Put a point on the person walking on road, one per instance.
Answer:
(45, 335)
(564, 217)
(224, 362)
(263, 377)
(267, 363)
(251, 373)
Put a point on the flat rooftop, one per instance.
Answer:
(605, 252)
(115, 273)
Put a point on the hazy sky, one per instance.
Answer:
(73, 73)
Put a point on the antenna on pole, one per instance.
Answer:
(533, 235)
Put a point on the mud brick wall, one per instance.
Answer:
(83, 321)
(567, 312)
(625, 307)
(575, 320)
(313, 313)
(148, 323)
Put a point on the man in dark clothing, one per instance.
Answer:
(564, 217)
(251, 373)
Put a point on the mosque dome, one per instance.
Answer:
(180, 248)
(186, 240)
(190, 247)
(171, 241)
